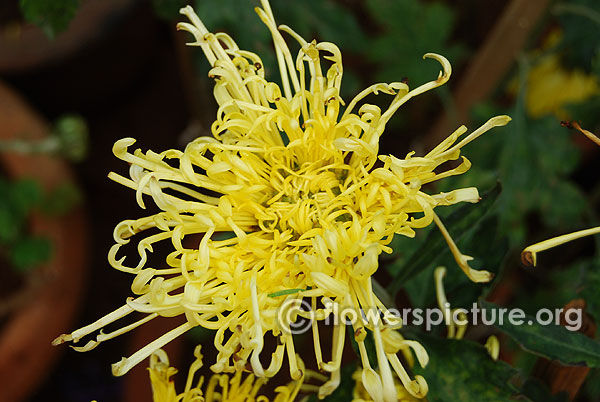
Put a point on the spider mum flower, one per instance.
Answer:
(220, 387)
(294, 175)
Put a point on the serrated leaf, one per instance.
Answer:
(551, 341)
(533, 160)
(461, 370)
(457, 223)
(411, 29)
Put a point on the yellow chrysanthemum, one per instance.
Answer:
(529, 254)
(296, 179)
(551, 87)
(219, 388)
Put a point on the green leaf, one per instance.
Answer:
(482, 241)
(537, 391)
(30, 252)
(557, 287)
(411, 29)
(591, 387)
(18, 197)
(461, 370)
(579, 21)
(24, 195)
(10, 224)
(589, 288)
(53, 17)
(168, 9)
(587, 111)
(550, 341)
(535, 160)
(329, 20)
(61, 199)
(457, 223)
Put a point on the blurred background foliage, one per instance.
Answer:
(53, 17)
(21, 197)
(538, 179)
(22, 250)
(25, 196)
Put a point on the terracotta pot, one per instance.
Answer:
(26, 353)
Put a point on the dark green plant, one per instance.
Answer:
(22, 250)
(53, 17)
(22, 197)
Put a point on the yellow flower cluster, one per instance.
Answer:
(239, 387)
(290, 200)
(220, 387)
(551, 87)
